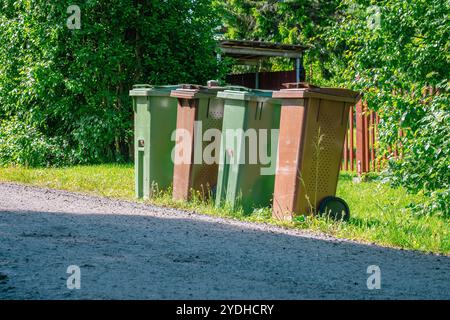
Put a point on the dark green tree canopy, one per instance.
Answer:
(65, 91)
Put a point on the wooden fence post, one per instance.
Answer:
(372, 140)
(361, 139)
(346, 150)
(351, 138)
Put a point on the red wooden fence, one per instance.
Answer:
(361, 142)
(364, 156)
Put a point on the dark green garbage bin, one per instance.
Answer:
(155, 118)
(248, 148)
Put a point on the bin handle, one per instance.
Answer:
(139, 86)
(190, 86)
(237, 88)
(299, 85)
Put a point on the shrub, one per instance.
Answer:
(72, 85)
(392, 52)
(22, 144)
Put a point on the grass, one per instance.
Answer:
(379, 213)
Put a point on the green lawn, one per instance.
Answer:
(379, 214)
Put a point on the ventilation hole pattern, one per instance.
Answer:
(324, 159)
(207, 174)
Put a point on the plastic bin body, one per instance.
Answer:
(312, 130)
(155, 115)
(240, 179)
(199, 110)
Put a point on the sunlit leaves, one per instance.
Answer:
(72, 85)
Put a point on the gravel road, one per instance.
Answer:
(128, 250)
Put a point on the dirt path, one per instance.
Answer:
(134, 251)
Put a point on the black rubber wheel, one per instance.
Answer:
(335, 208)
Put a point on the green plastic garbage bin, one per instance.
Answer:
(155, 118)
(248, 148)
(199, 121)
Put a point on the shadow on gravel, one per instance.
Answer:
(146, 257)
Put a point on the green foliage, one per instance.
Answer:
(23, 144)
(425, 164)
(290, 22)
(71, 86)
(392, 62)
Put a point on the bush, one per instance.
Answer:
(425, 164)
(22, 144)
(72, 85)
(392, 52)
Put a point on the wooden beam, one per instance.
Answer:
(259, 52)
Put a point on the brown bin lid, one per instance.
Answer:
(193, 91)
(298, 90)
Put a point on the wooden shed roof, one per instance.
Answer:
(249, 52)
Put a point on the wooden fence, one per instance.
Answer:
(361, 142)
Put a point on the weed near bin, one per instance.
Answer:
(379, 213)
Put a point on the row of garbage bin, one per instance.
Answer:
(243, 147)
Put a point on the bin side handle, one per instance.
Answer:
(298, 85)
(207, 109)
(237, 88)
(142, 86)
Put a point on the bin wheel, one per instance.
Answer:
(334, 207)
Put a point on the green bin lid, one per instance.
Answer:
(242, 93)
(145, 90)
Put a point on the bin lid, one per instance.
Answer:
(300, 90)
(247, 94)
(145, 90)
(195, 91)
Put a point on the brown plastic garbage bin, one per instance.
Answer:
(312, 130)
(199, 110)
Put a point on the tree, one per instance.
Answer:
(70, 87)
(392, 51)
(288, 22)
